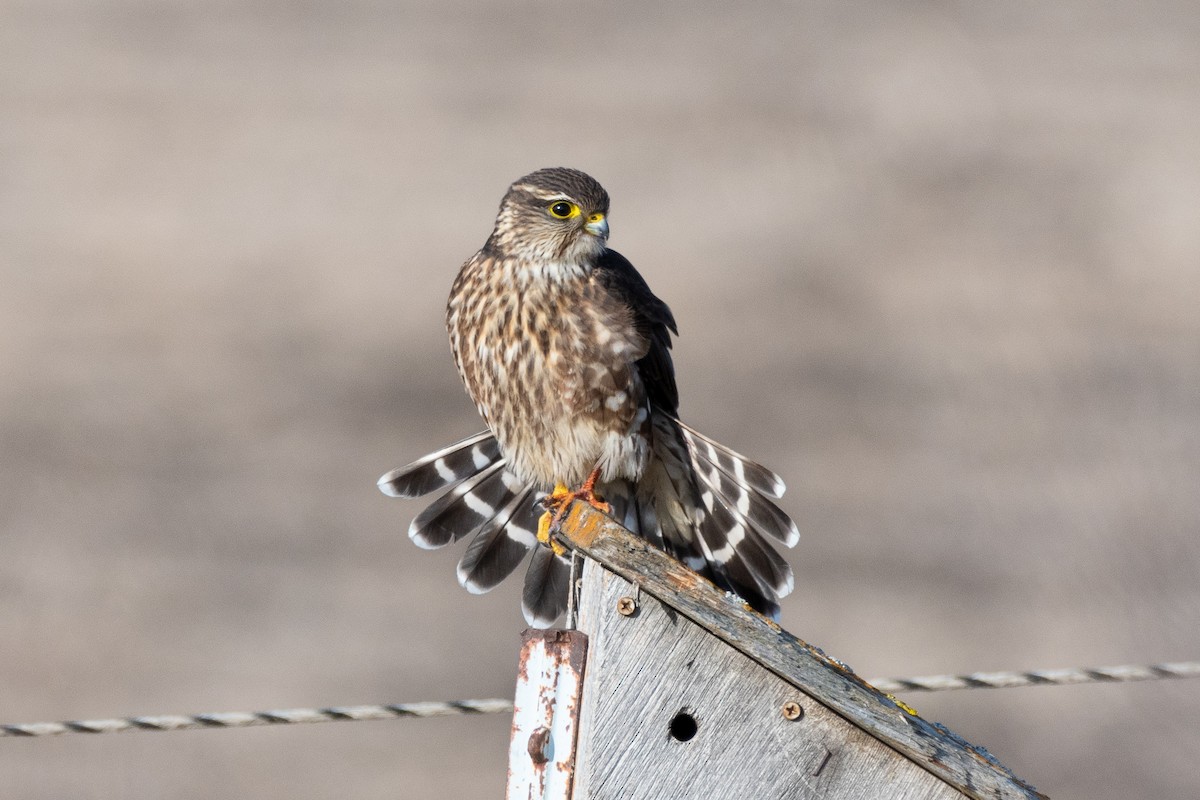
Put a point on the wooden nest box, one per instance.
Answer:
(672, 688)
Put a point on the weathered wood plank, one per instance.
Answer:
(671, 711)
(968, 768)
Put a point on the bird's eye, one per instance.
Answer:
(563, 210)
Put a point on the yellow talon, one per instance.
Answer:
(543, 534)
(556, 504)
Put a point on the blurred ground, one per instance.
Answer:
(937, 266)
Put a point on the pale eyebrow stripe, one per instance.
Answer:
(541, 194)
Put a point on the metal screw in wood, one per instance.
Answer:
(627, 606)
(792, 710)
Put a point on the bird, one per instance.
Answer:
(566, 353)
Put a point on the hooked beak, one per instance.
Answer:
(597, 226)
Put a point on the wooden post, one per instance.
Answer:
(688, 693)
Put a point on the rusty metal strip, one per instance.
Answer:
(541, 753)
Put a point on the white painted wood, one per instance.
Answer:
(541, 754)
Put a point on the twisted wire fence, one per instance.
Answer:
(294, 716)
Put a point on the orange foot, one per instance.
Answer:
(557, 503)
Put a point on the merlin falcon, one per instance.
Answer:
(566, 353)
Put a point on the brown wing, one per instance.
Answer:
(653, 320)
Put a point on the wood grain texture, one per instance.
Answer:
(688, 597)
(646, 669)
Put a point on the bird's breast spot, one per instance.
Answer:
(614, 402)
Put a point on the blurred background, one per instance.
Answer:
(939, 266)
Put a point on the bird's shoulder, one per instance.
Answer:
(654, 321)
(621, 279)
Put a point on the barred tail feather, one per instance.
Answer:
(451, 516)
(632, 511)
(698, 500)
(547, 583)
(741, 469)
(779, 572)
(499, 544)
(442, 468)
(669, 500)
(741, 555)
(649, 528)
(500, 513)
(730, 571)
(771, 574)
(726, 520)
(746, 502)
(465, 508)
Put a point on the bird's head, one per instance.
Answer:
(555, 215)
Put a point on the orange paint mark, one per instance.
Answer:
(582, 530)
